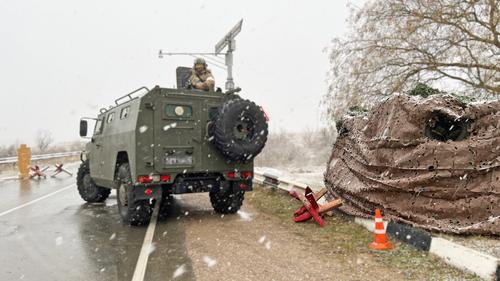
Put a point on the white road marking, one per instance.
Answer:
(142, 261)
(36, 200)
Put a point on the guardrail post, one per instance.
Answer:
(271, 179)
(24, 161)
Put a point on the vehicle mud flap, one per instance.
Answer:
(242, 186)
(138, 192)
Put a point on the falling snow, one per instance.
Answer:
(268, 245)
(244, 216)
(143, 129)
(179, 271)
(151, 248)
(262, 239)
(59, 241)
(168, 127)
(209, 261)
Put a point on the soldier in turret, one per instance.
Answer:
(201, 77)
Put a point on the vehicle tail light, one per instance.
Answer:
(148, 191)
(243, 186)
(164, 178)
(247, 174)
(231, 175)
(144, 179)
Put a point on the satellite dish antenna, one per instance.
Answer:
(227, 41)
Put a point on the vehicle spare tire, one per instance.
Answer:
(239, 130)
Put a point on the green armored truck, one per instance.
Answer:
(153, 143)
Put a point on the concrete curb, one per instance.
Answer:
(467, 259)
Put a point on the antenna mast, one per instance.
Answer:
(227, 41)
(230, 42)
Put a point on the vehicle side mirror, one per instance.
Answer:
(83, 128)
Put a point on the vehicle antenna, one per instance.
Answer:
(227, 41)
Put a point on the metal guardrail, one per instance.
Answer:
(284, 183)
(10, 160)
(278, 182)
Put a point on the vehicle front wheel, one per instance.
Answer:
(134, 212)
(87, 188)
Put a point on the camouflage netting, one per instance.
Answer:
(433, 163)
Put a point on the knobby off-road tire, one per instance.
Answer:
(133, 212)
(226, 201)
(239, 130)
(87, 188)
(166, 204)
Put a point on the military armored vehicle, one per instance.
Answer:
(153, 143)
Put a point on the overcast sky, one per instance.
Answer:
(60, 60)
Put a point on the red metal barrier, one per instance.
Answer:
(36, 172)
(311, 208)
(59, 169)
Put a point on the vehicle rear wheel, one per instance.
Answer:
(166, 203)
(87, 188)
(226, 201)
(134, 212)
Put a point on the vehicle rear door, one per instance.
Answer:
(178, 132)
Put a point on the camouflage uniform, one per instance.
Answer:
(204, 77)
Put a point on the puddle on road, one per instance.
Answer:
(111, 246)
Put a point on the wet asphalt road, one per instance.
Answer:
(60, 237)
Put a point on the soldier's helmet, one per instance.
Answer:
(200, 61)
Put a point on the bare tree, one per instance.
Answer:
(308, 135)
(9, 150)
(394, 44)
(43, 140)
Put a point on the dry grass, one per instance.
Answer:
(348, 239)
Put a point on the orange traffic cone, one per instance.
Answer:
(381, 242)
